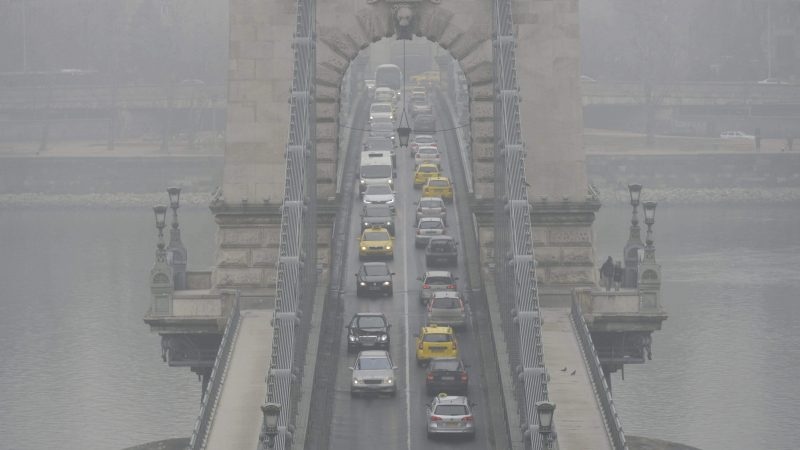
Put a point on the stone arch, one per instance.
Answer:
(463, 29)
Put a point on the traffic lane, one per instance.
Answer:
(417, 318)
(376, 420)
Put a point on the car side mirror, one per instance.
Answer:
(392, 273)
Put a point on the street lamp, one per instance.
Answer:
(403, 133)
(271, 412)
(649, 220)
(544, 412)
(176, 251)
(161, 220)
(636, 191)
(174, 197)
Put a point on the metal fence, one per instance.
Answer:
(211, 397)
(607, 407)
(297, 270)
(514, 258)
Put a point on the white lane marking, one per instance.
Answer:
(407, 274)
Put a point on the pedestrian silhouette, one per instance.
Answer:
(607, 273)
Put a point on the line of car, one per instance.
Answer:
(436, 346)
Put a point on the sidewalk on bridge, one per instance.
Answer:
(237, 418)
(578, 420)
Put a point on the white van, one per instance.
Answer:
(376, 168)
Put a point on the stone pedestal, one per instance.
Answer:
(247, 250)
(563, 243)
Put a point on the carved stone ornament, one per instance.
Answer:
(404, 18)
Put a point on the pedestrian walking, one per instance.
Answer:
(617, 275)
(607, 273)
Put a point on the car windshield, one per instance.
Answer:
(371, 322)
(376, 270)
(430, 203)
(382, 126)
(445, 303)
(428, 169)
(438, 183)
(438, 280)
(380, 144)
(381, 108)
(451, 410)
(373, 364)
(429, 224)
(377, 211)
(376, 236)
(444, 364)
(376, 171)
(437, 337)
(378, 190)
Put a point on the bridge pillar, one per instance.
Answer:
(247, 209)
(548, 72)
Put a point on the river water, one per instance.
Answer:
(79, 369)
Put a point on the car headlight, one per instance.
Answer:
(388, 247)
(351, 338)
(384, 337)
(366, 224)
(370, 117)
(363, 181)
(356, 381)
(387, 283)
(389, 381)
(362, 283)
(390, 201)
(388, 222)
(391, 181)
(363, 247)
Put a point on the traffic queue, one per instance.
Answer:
(436, 347)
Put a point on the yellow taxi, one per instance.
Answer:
(431, 77)
(423, 172)
(376, 242)
(436, 341)
(438, 187)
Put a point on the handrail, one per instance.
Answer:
(609, 411)
(209, 405)
(463, 144)
(515, 268)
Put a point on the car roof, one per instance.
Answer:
(373, 353)
(437, 329)
(441, 237)
(369, 314)
(431, 198)
(438, 273)
(427, 164)
(373, 229)
(430, 147)
(444, 399)
(439, 178)
(375, 264)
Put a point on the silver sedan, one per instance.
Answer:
(373, 371)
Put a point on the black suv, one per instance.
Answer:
(441, 250)
(370, 330)
(374, 277)
(377, 216)
(446, 375)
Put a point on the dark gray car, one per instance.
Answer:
(374, 277)
(441, 251)
(424, 123)
(377, 216)
(368, 330)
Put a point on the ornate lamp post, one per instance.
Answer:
(649, 220)
(403, 134)
(544, 415)
(271, 412)
(161, 283)
(161, 219)
(176, 252)
(634, 245)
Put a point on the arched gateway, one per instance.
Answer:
(260, 81)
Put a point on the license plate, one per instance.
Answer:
(448, 378)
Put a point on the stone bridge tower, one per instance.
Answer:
(259, 85)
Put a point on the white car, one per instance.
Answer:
(427, 154)
(381, 112)
(421, 140)
(379, 194)
(427, 227)
(373, 371)
(735, 135)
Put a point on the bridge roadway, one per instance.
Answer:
(399, 423)
(237, 420)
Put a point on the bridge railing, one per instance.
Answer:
(517, 291)
(297, 269)
(215, 382)
(602, 390)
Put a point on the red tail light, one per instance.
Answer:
(466, 419)
(435, 418)
(420, 345)
(455, 345)
(429, 377)
(463, 377)
(426, 286)
(451, 286)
